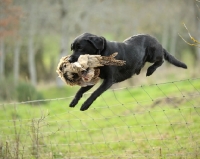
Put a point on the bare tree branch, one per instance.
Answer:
(196, 42)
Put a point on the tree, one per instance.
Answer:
(9, 24)
(196, 41)
(31, 48)
(16, 61)
(64, 27)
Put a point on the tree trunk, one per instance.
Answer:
(197, 48)
(31, 51)
(165, 35)
(16, 62)
(31, 61)
(197, 15)
(173, 40)
(2, 59)
(64, 40)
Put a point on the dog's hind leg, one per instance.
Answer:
(79, 94)
(153, 67)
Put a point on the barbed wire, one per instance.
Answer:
(147, 121)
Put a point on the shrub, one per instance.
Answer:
(26, 92)
(7, 89)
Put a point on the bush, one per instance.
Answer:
(26, 92)
(7, 89)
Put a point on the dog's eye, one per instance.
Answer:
(60, 68)
(64, 65)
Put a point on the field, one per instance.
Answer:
(149, 121)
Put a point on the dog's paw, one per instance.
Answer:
(85, 106)
(150, 71)
(148, 74)
(73, 103)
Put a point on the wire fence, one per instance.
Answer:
(150, 121)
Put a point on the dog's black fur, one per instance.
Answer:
(135, 50)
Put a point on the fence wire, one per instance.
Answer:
(148, 121)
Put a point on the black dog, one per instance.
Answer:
(135, 50)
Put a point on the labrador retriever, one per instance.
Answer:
(136, 51)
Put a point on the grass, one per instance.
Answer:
(150, 121)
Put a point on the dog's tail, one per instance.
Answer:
(171, 59)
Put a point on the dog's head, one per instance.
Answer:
(86, 44)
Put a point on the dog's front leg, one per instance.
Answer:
(103, 87)
(79, 94)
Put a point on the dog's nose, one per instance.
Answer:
(70, 59)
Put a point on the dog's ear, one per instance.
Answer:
(71, 46)
(97, 42)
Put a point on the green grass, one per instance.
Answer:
(153, 121)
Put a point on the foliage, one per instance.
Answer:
(116, 20)
(10, 18)
(58, 92)
(7, 89)
(25, 92)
